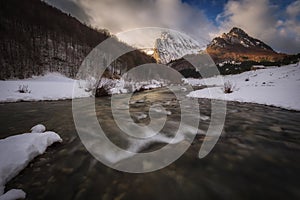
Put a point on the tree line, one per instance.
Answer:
(38, 38)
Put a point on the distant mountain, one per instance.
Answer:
(36, 37)
(238, 46)
(236, 52)
(173, 45)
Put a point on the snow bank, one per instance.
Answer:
(15, 154)
(52, 86)
(276, 86)
(40, 128)
(13, 194)
(121, 86)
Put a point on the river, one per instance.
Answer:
(257, 155)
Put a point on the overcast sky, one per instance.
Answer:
(276, 22)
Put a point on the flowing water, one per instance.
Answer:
(257, 155)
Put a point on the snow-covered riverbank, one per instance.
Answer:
(52, 86)
(55, 86)
(17, 151)
(276, 86)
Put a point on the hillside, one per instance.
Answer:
(238, 46)
(38, 38)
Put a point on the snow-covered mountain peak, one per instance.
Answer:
(173, 45)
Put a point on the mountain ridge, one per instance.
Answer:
(238, 46)
(236, 52)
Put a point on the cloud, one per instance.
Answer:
(293, 20)
(278, 27)
(123, 15)
(293, 9)
(259, 18)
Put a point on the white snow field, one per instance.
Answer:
(55, 86)
(17, 151)
(52, 86)
(276, 86)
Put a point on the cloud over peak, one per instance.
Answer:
(261, 19)
(118, 16)
(267, 21)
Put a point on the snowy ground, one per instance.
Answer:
(17, 151)
(121, 86)
(54, 86)
(276, 86)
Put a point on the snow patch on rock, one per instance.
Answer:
(40, 128)
(17, 151)
(13, 194)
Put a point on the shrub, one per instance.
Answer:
(228, 87)
(23, 89)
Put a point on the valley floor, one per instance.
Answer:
(275, 86)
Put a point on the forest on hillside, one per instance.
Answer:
(38, 38)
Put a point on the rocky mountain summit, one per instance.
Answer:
(238, 46)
